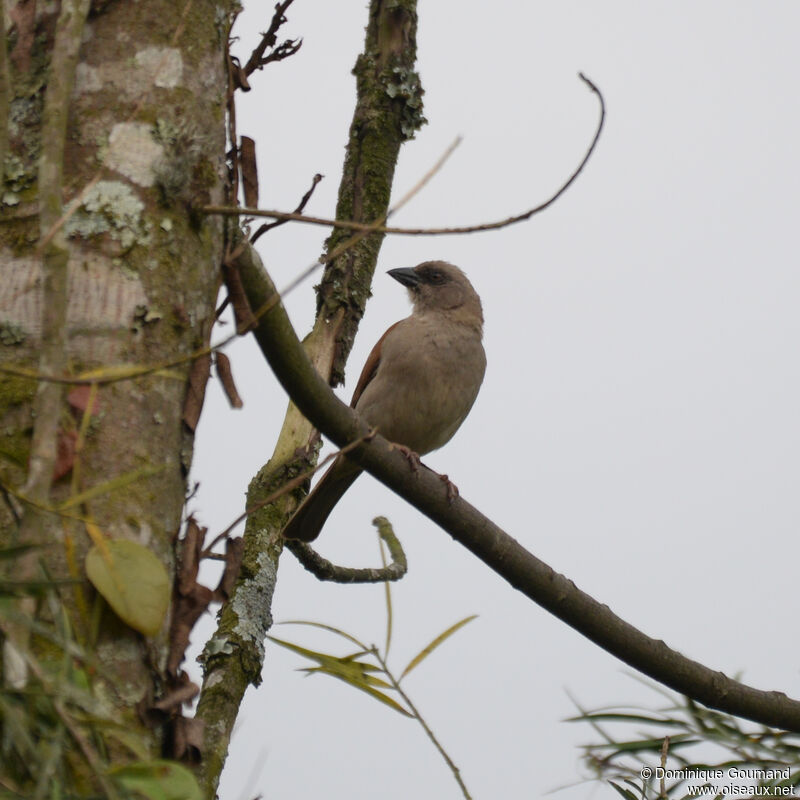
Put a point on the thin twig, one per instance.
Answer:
(384, 527)
(268, 39)
(299, 210)
(396, 685)
(478, 228)
(664, 752)
(130, 373)
(374, 227)
(233, 186)
(55, 254)
(325, 570)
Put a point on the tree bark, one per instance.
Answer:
(388, 111)
(115, 130)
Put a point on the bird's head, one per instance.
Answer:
(438, 286)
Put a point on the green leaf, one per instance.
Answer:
(626, 793)
(157, 780)
(115, 484)
(133, 582)
(324, 627)
(346, 668)
(364, 677)
(365, 687)
(426, 651)
(355, 673)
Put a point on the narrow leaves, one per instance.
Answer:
(426, 651)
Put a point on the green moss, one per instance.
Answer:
(15, 394)
(15, 390)
(11, 334)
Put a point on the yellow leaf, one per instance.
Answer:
(426, 651)
(133, 582)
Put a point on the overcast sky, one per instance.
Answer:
(638, 425)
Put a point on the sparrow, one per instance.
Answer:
(418, 384)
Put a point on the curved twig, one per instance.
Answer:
(479, 228)
(325, 570)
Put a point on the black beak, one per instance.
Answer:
(406, 276)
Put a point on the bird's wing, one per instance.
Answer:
(370, 366)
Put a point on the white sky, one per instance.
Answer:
(638, 425)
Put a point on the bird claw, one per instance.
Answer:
(371, 435)
(452, 489)
(413, 458)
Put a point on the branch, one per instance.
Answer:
(288, 48)
(299, 210)
(54, 251)
(350, 225)
(234, 656)
(493, 546)
(327, 571)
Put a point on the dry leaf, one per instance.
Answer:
(234, 549)
(226, 379)
(79, 396)
(65, 453)
(196, 391)
(249, 172)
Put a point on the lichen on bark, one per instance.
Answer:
(111, 286)
(383, 119)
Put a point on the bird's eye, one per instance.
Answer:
(435, 277)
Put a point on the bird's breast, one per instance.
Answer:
(427, 380)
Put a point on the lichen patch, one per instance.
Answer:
(162, 65)
(133, 152)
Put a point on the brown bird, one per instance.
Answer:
(418, 384)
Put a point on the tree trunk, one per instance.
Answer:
(115, 133)
(116, 129)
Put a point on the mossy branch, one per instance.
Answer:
(234, 656)
(325, 570)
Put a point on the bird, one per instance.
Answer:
(417, 385)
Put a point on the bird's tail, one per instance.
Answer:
(309, 518)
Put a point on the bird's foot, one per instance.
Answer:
(413, 458)
(452, 489)
(371, 435)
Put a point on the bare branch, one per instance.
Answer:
(55, 254)
(324, 570)
(285, 49)
(299, 210)
(493, 546)
(287, 216)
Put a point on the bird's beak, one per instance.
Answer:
(406, 276)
